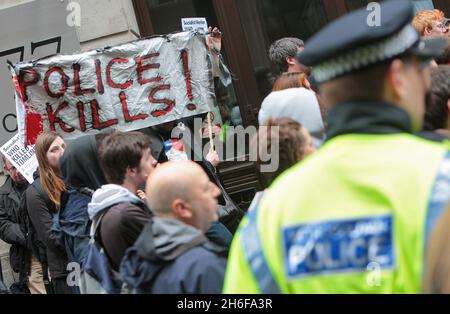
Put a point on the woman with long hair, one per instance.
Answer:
(43, 200)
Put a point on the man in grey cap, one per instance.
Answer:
(355, 217)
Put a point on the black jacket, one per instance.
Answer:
(11, 230)
(38, 205)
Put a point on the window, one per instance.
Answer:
(356, 4)
(420, 5)
(265, 21)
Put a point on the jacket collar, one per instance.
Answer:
(109, 195)
(166, 239)
(369, 117)
(7, 186)
(8, 189)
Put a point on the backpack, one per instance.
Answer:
(71, 224)
(97, 274)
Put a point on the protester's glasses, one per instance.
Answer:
(11, 169)
(444, 26)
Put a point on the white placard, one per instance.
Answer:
(23, 158)
(194, 24)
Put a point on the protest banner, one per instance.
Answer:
(126, 87)
(21, 157)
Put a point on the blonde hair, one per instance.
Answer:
(424, 19)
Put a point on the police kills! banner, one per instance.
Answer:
(127, 87)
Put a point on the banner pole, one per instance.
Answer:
(211, 142)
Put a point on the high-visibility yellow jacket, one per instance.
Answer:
(354, 218)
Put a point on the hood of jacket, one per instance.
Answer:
(161, 242)
(166, 239)
(109, 195)
(80, 166)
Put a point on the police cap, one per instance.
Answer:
(360, 39)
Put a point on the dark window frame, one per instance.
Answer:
(443, 5)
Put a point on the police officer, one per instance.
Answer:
(355, 217)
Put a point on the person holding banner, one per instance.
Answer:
(229, 213)
(43, 200)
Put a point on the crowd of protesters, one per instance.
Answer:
(136, 222)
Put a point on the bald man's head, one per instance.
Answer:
(169, 181)
(182, 190)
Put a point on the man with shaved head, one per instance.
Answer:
(172, 254)
(183, 191)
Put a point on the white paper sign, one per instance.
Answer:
(194, 24)
(24, 159)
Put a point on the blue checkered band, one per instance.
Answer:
(256, 259)
(366, 55)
